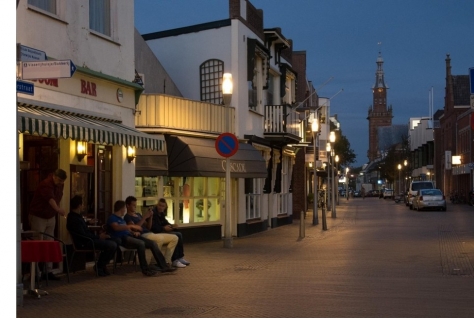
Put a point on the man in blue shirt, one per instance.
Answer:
(131, 238)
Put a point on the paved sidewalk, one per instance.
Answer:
(377, 259)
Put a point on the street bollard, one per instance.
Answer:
(302, 229)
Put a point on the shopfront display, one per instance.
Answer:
(191, 200)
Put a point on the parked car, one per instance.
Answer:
(414, 187)
(429, 199)
(373, 193)
(357, 194)
(387, 193)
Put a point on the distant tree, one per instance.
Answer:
(342, 148)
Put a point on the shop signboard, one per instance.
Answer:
(47, 69)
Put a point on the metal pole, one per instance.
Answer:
(323, 212)
(228, 242)
(315, 183)
(333, 212)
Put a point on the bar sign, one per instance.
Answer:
(25, 87)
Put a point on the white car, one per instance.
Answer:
(387, 193)
(429, 199)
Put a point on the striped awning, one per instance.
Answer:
(42, 121)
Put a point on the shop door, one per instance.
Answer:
(104, 182)
(43, 157)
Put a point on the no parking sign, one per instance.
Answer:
(227, 144)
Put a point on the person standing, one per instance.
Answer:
(160, 224)
(77, 227)
(44, 207)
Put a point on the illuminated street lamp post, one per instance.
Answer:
(227, 88)
(332, 140)
(315, 129)
(347, 183)
(337, 183)
(329, 188)
(399, 180)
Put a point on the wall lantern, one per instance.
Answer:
(456, 159)
(130, 153)
(81, 150)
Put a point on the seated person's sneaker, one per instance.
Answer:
(149, 272)
(100, 272)
(184, 261)
(178, 264)
(106, 271)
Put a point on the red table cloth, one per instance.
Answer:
(41, 251)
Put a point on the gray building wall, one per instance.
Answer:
(156, 78)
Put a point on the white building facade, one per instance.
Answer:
(83, 124)
(263, 100)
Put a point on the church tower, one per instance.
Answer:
(379, 114)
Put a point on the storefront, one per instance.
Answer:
(191, 177)
(96, 150)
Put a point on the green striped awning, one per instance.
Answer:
(42, 121)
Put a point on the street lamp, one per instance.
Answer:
(399, 180)
(347, 183)
(227, 88)
(329, 188)
(405, 163)
(315, 129)
(332, 140)
(337, 183)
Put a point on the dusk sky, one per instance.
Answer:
(341, 40)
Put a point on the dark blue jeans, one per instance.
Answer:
(140, 244)
(179, 250)
(107, 248)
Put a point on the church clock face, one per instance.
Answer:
(380, 90)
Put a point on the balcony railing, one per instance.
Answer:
(281, 121)
(159, 111)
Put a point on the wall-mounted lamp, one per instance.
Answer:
(81, 150)
(130, 153)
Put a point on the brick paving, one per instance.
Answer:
(377, 259)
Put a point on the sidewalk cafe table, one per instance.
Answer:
(33, 251)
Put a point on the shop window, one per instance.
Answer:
(99, 16)
(253, 198)
(191, 200)
(211, 72)
(46, 5)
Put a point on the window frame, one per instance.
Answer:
(210, 91)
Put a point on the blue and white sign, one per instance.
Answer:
(31, 54)
(47, 69)
(25, 87)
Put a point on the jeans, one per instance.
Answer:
(107, 248)
(140, 244)
(179, 250)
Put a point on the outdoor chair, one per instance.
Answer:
(80, 250)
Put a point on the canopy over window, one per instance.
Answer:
(190, 156)
(43, 119)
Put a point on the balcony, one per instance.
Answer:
(282, 124)
(161, 113)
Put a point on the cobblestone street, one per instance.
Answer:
(377, 259)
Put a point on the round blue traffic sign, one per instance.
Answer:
(227, 144)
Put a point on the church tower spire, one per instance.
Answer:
(379, 114)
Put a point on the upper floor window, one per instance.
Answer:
(99, 16)
(46, 5)
(270, 89)
(212, 72)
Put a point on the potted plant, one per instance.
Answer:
(200, 206)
